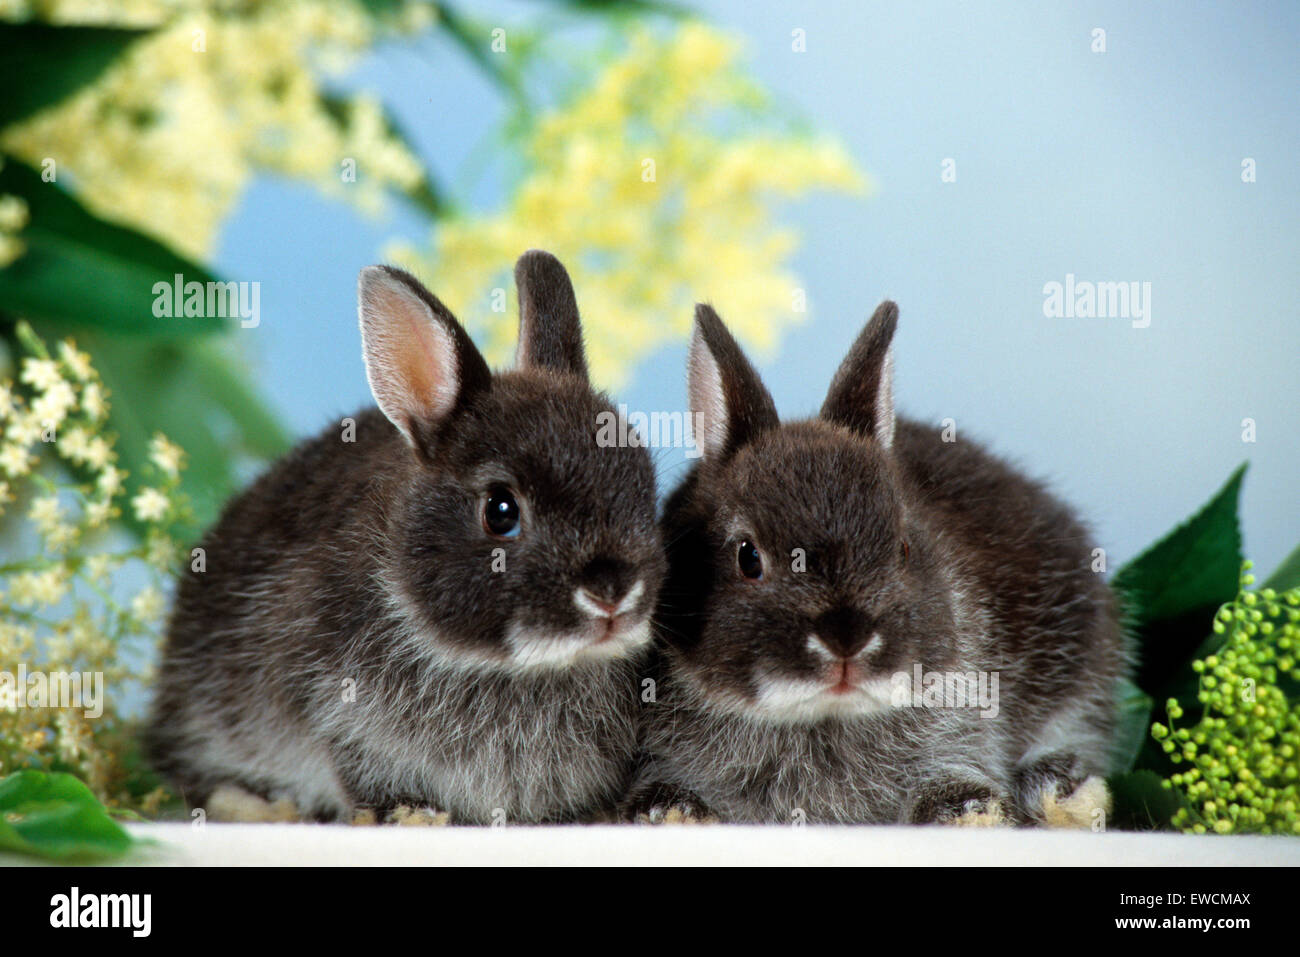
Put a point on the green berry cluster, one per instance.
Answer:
(1244, 753)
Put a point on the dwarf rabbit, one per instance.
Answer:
(447, 608)
(863, 623)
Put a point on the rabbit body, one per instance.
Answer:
(370, 629)
(884, 554)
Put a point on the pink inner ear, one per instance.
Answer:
(419, 356)
(410, 356)
(704, 383)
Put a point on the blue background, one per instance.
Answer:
(1118, 166)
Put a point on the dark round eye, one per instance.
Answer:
(501, 513)
(906, 551)
(749, 561)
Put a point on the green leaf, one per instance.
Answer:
(1142, 802)
(87, 272)
(1133, 725)
(53, 815)
(222, 379)
(1287, 575)
(1195, 565)
(1171, 591)
(46, 63)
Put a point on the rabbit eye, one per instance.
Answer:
(501, 513)
(749, 561)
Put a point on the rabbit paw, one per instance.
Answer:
(667, 804)
(231, 804)
(680, 813)
(1056, 791)
(959, 803)
(1082, 807)
(404, 815)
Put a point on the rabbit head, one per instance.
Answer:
(516, 541)
(801, 579)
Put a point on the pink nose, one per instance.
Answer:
(605, 608)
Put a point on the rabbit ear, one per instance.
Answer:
(420, 363)
(728, 400)
(550, 333)
(862, 393)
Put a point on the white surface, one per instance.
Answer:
(280, 844)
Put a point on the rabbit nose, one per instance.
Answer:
(609, 610)
(844, 631)
(598, 608)
(607, 581)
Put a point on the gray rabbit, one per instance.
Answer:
(449, 610)
(843, 595)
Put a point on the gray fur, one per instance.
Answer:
(917, 552)
(350, 643)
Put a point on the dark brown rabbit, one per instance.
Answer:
(447, 607)
(818, 569)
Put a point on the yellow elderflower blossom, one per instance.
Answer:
(58, 644)
(15, 460)
(55, 403)
(45, 512)
(165, 455)
(77, 361)
(94, 402)
(41, 374)
(148, 605)
(24, 429)
(110, 480)
(99, 454)
(240, 78)
(651, 208)
(160, 552)
(97, 513)
(72, 598)
(35, 589)
(150, 505)
(60, 537)
(15, 640)
(98, 568)
(74, 443)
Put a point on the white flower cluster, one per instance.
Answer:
(73, 597)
